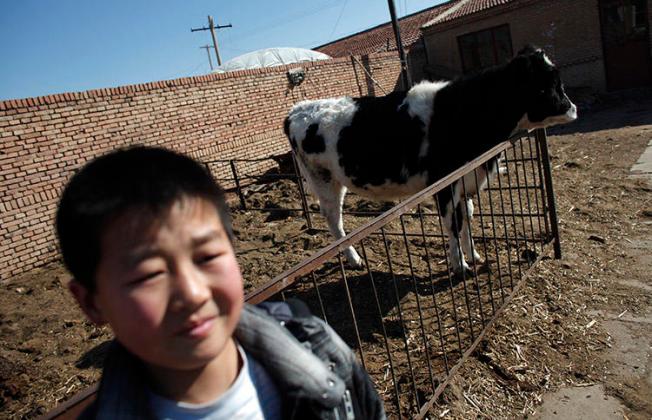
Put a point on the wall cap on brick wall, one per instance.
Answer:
(163, 84)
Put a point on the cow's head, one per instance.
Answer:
(542, 90)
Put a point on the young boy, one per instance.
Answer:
(146, 234)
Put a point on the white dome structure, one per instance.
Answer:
(270, 57)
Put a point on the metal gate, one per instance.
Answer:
(411, 321)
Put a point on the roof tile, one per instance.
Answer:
(461, 8)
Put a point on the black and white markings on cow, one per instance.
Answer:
(313, 142)
(376, 126)
(324, 174)
(393, 146)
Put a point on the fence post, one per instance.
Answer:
(234, 171)
(302, 193)
(542, 141)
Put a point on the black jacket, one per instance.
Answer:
(315, 371)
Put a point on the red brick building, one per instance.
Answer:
(600, 44)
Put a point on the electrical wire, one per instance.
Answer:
(338, 19)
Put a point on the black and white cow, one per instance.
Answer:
(393, 146)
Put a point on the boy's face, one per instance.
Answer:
(170, 289)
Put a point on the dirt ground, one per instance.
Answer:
(569, 326)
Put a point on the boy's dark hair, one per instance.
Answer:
(141, 179)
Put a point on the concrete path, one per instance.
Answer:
(643, 168)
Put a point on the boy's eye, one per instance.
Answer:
(205, 259)
(145, 277)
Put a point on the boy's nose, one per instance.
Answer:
(190, 290)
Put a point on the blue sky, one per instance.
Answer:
(54, 46)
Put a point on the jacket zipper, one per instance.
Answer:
(348, 406)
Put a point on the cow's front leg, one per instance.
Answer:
(451, 212)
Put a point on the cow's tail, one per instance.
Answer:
(286, 126)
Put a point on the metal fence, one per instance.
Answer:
(410, 320)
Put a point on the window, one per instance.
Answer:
(485, 48)
(624, 19)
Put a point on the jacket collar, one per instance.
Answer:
(296, 370)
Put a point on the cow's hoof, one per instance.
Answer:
(462, 274)
(356, 265)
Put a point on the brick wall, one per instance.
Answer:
(220, 116)
(569, 31)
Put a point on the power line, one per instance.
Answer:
(275, 24)
(338, 19)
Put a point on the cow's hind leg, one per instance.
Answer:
(450, 207)
(331, 198)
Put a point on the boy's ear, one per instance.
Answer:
(86, 301)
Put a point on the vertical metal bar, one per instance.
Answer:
(348, 297)
(450, 280)
(416, 295)
(495, 236)
(484, 238)
(432, 290)
(234, 171)
(321, 303)
(509, 250)
(520, 204)
(536, 197)
(382, 325)
(515, 224)
(528, 201)
(457, 229)
(302, 193)
(540, 135)
(475, 269)
(511, 199)
(400, 317)
(542, 192)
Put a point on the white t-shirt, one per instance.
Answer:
(241, 401)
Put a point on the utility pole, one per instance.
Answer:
(208, 52)
(399, 44)
(211, 27)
